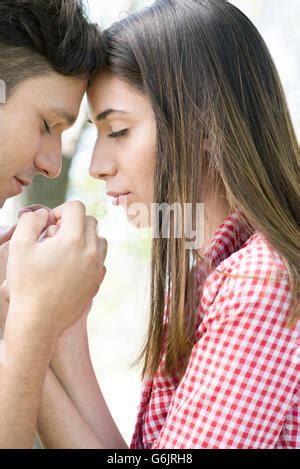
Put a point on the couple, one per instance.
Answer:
(189, 109)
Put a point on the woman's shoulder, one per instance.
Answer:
(254, 277)
(257, 258)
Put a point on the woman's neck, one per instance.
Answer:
(216, 210)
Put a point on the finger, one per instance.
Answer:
(35, 208)
(91, 227)
(102, 273)
(32, 208)
(71, 217)
(6, 233)
(102, 247)
(4, 250)
(31, 226)
(51, 231)
(86, 311)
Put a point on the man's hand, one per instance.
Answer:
(54, 281)
(34, 208)
(6, 233)
(77, 332)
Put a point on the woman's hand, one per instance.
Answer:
(75, 337)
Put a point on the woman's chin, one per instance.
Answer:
(138, 214)
(139, 222)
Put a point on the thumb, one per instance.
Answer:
(4, 290)
(31, 226)
(6, 233)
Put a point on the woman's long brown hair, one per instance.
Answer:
(210, 78)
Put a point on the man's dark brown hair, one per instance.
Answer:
(39, 36)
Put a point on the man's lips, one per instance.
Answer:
(23, 181)
(20, 184)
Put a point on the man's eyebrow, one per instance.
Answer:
(103, 115)
(69, 118)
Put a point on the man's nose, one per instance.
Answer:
(49, 162)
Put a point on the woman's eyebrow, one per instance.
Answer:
(104, 114)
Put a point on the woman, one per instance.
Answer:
(190, 109)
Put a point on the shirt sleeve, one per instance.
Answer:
(242, 374)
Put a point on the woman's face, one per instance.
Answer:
(124, 153)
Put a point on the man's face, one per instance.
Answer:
(31, 126)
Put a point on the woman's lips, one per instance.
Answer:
(120, 199)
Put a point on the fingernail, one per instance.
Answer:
(41, 210)
(24, 210)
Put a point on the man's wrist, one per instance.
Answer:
(23, 329)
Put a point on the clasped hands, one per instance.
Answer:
(51, 264)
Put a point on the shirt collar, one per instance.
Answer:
(233, 232)
(231, 235)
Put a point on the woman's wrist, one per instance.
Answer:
(72, 346)
(22, 328)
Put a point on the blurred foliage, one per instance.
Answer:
(51, 192)
(89, 191)
(140, 246)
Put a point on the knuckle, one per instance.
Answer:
(27, 216)
(103, 246)
(103, 272)
(91, 252)
(92, 221)
(78, 205)
(103, 241)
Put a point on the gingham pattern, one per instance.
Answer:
(241, 386)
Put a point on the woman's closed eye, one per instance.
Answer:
(120, 133)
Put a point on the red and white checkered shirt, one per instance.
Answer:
(241, 385)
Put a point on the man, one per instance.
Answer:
(48, 51)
